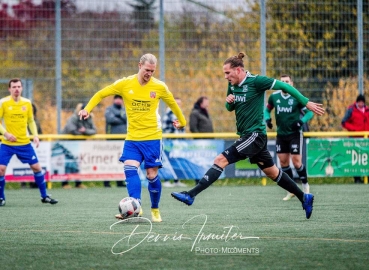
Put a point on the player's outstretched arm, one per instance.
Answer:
(315, 108)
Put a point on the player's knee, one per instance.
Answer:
(221, 161)
(2, 170)
(271, 172)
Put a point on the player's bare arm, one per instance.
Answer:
(83, 114)
(230, 98)
(315, 108)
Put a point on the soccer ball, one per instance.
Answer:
(129, 207)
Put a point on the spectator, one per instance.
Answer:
(200, 121)
(116, 123)
(168, 127)
(39, 131)
(75, 126)
(357, 119)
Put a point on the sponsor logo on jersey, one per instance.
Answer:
(284, 109)
(153, 94)
(240, 98)
(17, 116)
(140, 106)
(130, 91)
(278, 101)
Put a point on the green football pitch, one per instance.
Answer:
(228, 227)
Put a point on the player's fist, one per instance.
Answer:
(177, 125)
(269, 123)
(297, 125)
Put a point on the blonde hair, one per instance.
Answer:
(148, 57)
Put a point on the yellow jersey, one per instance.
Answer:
(142, 106)
(17, 115)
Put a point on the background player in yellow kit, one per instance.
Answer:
(141, 95)
(16, 111)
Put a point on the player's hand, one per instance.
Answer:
(10, 137)
(230, 98)
(36, 141)
(297, 125)
(177, 125)
(315, 108)
(269, 123)
(83, 114)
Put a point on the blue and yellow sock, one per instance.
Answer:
(133, 182)
(40, 181)
(155, 191)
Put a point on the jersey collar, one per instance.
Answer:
(247, 74)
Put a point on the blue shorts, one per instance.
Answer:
(148, 151)
(25, 153)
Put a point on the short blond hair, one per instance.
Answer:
(148, 57)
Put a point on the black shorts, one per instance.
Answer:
(289, 144)
(252, 146)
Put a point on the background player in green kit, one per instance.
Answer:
(289, 136)
(245, 96)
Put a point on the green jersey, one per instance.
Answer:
(249, 103)
(287, 111)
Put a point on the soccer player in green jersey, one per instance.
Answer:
(245, 96)
(141, 95)
(17, 113)
(289, 136)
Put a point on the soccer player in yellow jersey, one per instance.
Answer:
(17, 113)
(141, 95)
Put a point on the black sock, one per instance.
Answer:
(284, 181)
(302, 174)
(288, 170)
(209, 178)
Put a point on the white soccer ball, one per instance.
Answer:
(129, 207)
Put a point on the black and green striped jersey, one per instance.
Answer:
(249, 103)
(287, 111)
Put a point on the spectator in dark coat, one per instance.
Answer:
(200, 121)
(116, 123)
(76, 126)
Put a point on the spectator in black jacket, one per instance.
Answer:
(76, 126)
(200, 121)
(116, 123)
